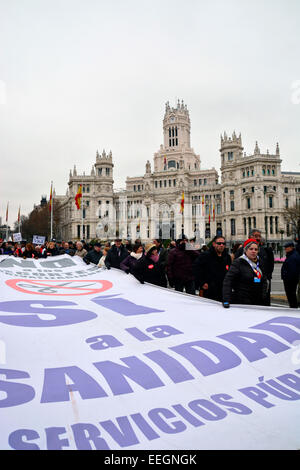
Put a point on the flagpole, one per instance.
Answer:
(82, 210)
(51, 213)
(19, 217)
(7, 222)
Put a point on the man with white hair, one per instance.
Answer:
(80, 251)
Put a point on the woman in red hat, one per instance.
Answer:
(245, 282)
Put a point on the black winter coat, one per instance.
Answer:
(239, 286)
(146, 270)
(180, 265)
(50, 252)
(113, 259)
(266, 259)
(128, 264)
(290, 270)
(93, 256)
(211, 269)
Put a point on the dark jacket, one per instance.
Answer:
(51, 252)
(69, 251)
(115, 257)
(128, 264)
(211, 269)
(93, 256)
(266, 259)
(146, 270)
(29, 254)
(180, 265)
(239, 286)
(163, 257)
(290, 270)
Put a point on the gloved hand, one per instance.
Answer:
(226, 304)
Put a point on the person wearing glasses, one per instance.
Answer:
(246, 282)
(211, 268)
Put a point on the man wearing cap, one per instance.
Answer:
(94, 255)
(116, 255)
(180, 267)
(290, 273)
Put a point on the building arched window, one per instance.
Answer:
(172, 164)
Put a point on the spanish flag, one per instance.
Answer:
(203, 210)
(214, 212)
(182, 203)
(78, 197)
(7, 213)
(165, 161)
(209, 214)
(50, 200)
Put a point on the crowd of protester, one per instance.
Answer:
(240, 277)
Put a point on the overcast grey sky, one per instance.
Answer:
(77, 76)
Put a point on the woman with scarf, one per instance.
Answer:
(245, 282)
(128, 264)
(148, 268)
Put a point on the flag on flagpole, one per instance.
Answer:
(165, 161)
(78, 197)
(19, 214)
(203, 205)
(50, 200)
(214, 212)
(182, 203)
(209, 214)
(7, 213)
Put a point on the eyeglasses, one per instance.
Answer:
(220, 243)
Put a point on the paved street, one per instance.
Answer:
(278, 296)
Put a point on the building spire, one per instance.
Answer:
(256, 150)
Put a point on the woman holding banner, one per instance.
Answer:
(245, 282)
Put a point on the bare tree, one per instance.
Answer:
(38, 222)
(292, 217)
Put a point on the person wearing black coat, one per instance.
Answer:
(211, 268)
(180, 267)
(51, 250)
(245, 282)
(94, 255)
(129, 263)
(290, 273)
(266, 259)
(148, 268)
(116, 255)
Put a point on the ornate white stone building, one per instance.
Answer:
(253, 192)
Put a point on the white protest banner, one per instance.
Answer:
(38, 240)
(96, 360)
(17, 237)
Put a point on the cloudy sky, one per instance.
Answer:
(80, 76)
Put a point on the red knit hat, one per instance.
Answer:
(249, 242)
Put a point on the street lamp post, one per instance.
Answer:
(281, 231)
